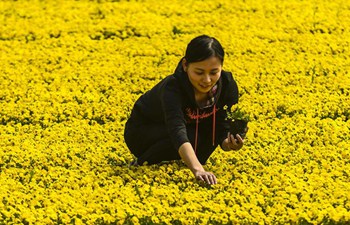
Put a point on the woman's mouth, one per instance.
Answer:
(205, 86)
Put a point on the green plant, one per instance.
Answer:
(237, 112)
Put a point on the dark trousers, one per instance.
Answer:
(151, 143)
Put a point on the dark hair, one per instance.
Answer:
(202, 48)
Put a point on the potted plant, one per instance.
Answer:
(238, 119)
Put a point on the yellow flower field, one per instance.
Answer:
(71, 71)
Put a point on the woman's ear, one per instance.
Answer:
(184, 64)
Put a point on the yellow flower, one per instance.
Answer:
(70, 74)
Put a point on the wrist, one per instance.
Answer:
(196, 169)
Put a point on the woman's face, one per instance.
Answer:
(203, 75)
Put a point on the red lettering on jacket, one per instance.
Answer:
(192, 114)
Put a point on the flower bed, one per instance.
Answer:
(71, 71)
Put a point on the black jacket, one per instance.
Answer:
(172, 103)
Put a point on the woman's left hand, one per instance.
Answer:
(232, 143)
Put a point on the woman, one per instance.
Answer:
(183, 116)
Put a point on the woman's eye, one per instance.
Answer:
(211, 73)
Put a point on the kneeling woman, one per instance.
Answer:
(183, 116)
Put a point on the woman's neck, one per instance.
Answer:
(201, 98)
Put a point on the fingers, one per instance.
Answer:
(239, 143)
(213, 179)
(229, 137)
(207, 177)
(210, 178)
(207, 180)
(239, 139)
(235, 143)
(201, 178)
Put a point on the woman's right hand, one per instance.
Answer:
(205, 176)
(189, 157)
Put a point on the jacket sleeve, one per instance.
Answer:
(230, 96)
(173, 115)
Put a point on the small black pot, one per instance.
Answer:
(238, 127)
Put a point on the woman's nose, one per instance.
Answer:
(206, 78)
